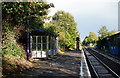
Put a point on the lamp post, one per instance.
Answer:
(57, 16)
(28, 38)
(57, 36)
(65, 27)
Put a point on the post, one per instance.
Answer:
(57, 36)
(65, 28)
(28, 41)
(47, 46)
(57, 44)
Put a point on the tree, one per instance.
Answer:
(85, 41)
(65, 25)
(15, 16)
(103, 32)
(17, 13)
(92, 38)
(110, 33)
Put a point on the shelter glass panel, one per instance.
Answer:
(33, 39)
(39, 40)
(39, 47)
(33, 47)
(44, 47)
(44, 39)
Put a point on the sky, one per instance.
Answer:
(90, 15)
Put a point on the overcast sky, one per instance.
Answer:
(90, 15)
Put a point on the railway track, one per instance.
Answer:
(100, 66)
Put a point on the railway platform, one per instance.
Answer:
(61, 66)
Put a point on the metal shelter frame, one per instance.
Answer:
(42, 44)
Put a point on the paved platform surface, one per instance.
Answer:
(64, 65)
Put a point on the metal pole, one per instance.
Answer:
(57, 36)
(28, 42)
(56, 44)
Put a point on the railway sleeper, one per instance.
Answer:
(98, 67)
(105, 75)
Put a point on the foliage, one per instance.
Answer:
(91, 39)
(17, 17)
(110, 33)
(17, 13)
(48, 27)
(85, 41)
(102, 42)
(65, 26)
(9, 45)
(103, 32)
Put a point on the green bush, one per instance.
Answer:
(14, 51)
(11, 47)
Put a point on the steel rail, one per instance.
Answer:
(108, 68)
(91, 65)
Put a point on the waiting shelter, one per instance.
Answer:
(42, 44)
